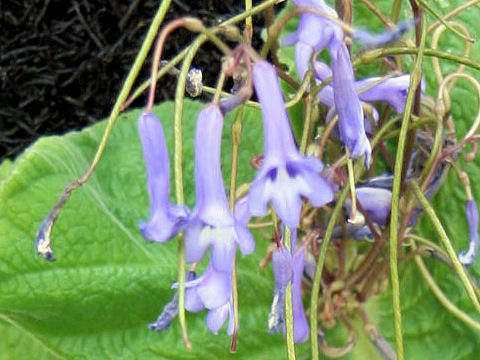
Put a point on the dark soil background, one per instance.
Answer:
(62, 62)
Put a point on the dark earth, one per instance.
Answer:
(63, 62)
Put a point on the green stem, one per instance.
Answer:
(307, 121)
(288, 303)
(178, 171)
(397, 179)
(372, 55)
(236, 137)
(396, 8)
(318, 271)
(457, 266)
(455, 311)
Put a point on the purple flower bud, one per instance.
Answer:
(468, 257)
(282, 266)
(285, 175)
(282, 273)
(165, 219)
(300, 324)
(212, 223)
(347, 104)
(376, 202)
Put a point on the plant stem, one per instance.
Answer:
(415, 78)
(437, 225)
(287, 237)
(455, 311)
(236, 137)
(318, 272)
(178, 171)
(372, 55)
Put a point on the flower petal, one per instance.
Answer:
(215, 289)
(196, 240)
(223, 249)
(244, 239)
(216, 318)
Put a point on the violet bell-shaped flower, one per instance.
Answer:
(166, 219)
(285, 175)
(468, 257)
(212, 223)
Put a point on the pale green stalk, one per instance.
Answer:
(178, 171)
(415, 78)
(457, 266)
(372, 55)
(288, 302)
(318, 271)
(454, 310)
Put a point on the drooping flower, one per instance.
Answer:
(212, 223)
(314, 33)
(285, 175)
(468, 257)
(165, 219)
(347, 105)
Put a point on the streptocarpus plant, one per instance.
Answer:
(335, 249)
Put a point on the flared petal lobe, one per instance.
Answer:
(165, 219)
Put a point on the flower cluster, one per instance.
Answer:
(287, 179)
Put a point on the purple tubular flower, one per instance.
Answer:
(300, 324)
(285, 175)
(348, 107)
(468, 257)
(212, 223)
(166, 219)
